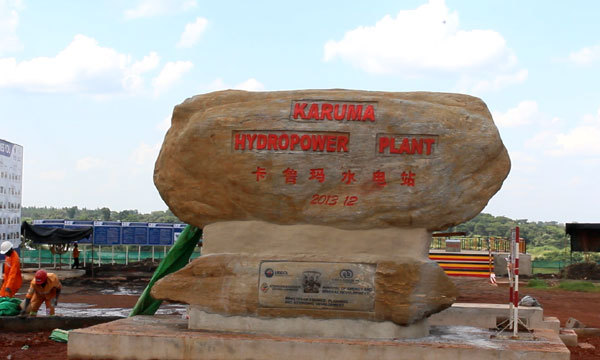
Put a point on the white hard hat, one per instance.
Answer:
(6, 245)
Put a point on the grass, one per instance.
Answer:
(567, 285)
(537, 284)
(583, 286)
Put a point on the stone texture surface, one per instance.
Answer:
(204, 179)
(227, 284)
(225, 279)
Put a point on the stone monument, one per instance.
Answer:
(318, 206)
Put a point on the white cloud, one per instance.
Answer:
(250, 85)
(425, 39)
(52, 175)
(585, 56)
(150, 8)
(82, 67)
(498, 82)
(9, 21)
(88, 163)
(192, 33)
(580, 141)
(169, 75)
(145, 154)
(524, 113)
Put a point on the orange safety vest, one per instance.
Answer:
(12, 274)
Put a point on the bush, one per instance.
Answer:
(582, 271)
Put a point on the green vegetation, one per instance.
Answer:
(537, 284)
(575, 285)
(546, 241)
(75, 213)
(568, 285)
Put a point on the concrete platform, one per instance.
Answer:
(167, 337)
(486, 316)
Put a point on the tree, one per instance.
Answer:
(105, 213)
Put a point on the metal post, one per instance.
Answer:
(165, 252)
(40, 256)
(153, 254)
(139, 253)
(99, 255)
(516, 294)
(113, 254)
(126, 254)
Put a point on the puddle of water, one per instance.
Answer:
(83, 310)
(122, 290)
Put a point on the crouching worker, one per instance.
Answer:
(44, 288)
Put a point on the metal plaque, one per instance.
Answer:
(317, 285)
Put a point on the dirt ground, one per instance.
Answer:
(115, 290)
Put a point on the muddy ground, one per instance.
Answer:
(115, 291)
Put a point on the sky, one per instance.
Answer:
(88, 87)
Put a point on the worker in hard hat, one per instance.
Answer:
(44, 288)
(12, 270)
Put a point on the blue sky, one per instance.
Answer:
(88, 87)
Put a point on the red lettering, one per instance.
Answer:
(299, 110)
(405, 147)
(313, 112)
(369, 114)
(417, 146)
(262, 142)
(337, 115)
(318, 142)
(384, 142)
(330, 140)
(393, 148)
(294, 140)
(354, 113)
(282, 145)
(428, 143)
(272, 142)
(326, 110)
(342, 143)
(251, 140)
(240, 141)
(305, 142)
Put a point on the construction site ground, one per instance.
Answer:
(114, 291)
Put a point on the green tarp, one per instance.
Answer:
(176, 258)
(59, 335)
(9, 306)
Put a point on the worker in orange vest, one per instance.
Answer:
(44, 288)
(75, 257)
(12, 270)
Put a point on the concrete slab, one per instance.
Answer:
(66, 273)
(486, 316)
(568, 337)
(47, 323)
(305, 326)
(158, 337)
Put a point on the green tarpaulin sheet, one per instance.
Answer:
(59, 335)
(176, 258)
(9, 306)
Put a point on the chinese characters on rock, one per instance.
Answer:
(347, 177)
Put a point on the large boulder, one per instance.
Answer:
(341, 158)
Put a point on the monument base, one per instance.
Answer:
(167, 337)
(306, 327)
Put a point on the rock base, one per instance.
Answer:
(304, 326)
(154, 337)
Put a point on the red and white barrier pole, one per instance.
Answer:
(516, 291)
